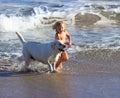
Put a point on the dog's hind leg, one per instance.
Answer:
(27, 62)
(25, 68)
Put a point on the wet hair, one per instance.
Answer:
(57, 24)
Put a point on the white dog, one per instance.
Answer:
(47, 53)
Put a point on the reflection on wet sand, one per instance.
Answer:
(28, 85)
(62, 85)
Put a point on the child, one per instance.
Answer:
(63, 35)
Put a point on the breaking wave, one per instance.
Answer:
(19, 17)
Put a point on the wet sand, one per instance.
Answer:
(92, 85)
(81, 77)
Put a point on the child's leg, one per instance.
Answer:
(62, 58)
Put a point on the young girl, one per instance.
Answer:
(63, 35)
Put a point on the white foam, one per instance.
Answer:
(48, 13)
(104, 21)
(15, 23)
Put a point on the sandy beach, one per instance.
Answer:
(79, 78)
(93, 85)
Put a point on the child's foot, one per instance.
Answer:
(61, 67)
(56, 71)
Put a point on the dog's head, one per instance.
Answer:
(58, 46)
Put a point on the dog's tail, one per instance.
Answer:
(20, 37)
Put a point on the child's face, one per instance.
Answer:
(61, 28)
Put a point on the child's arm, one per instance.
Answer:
(69, 43)
(56, 36)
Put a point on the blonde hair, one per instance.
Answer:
(57, 24)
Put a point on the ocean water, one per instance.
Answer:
(94, 25)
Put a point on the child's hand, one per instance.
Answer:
(68, 43)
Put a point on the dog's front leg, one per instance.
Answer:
(55, 61)
(50, 67)
(54, 65)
